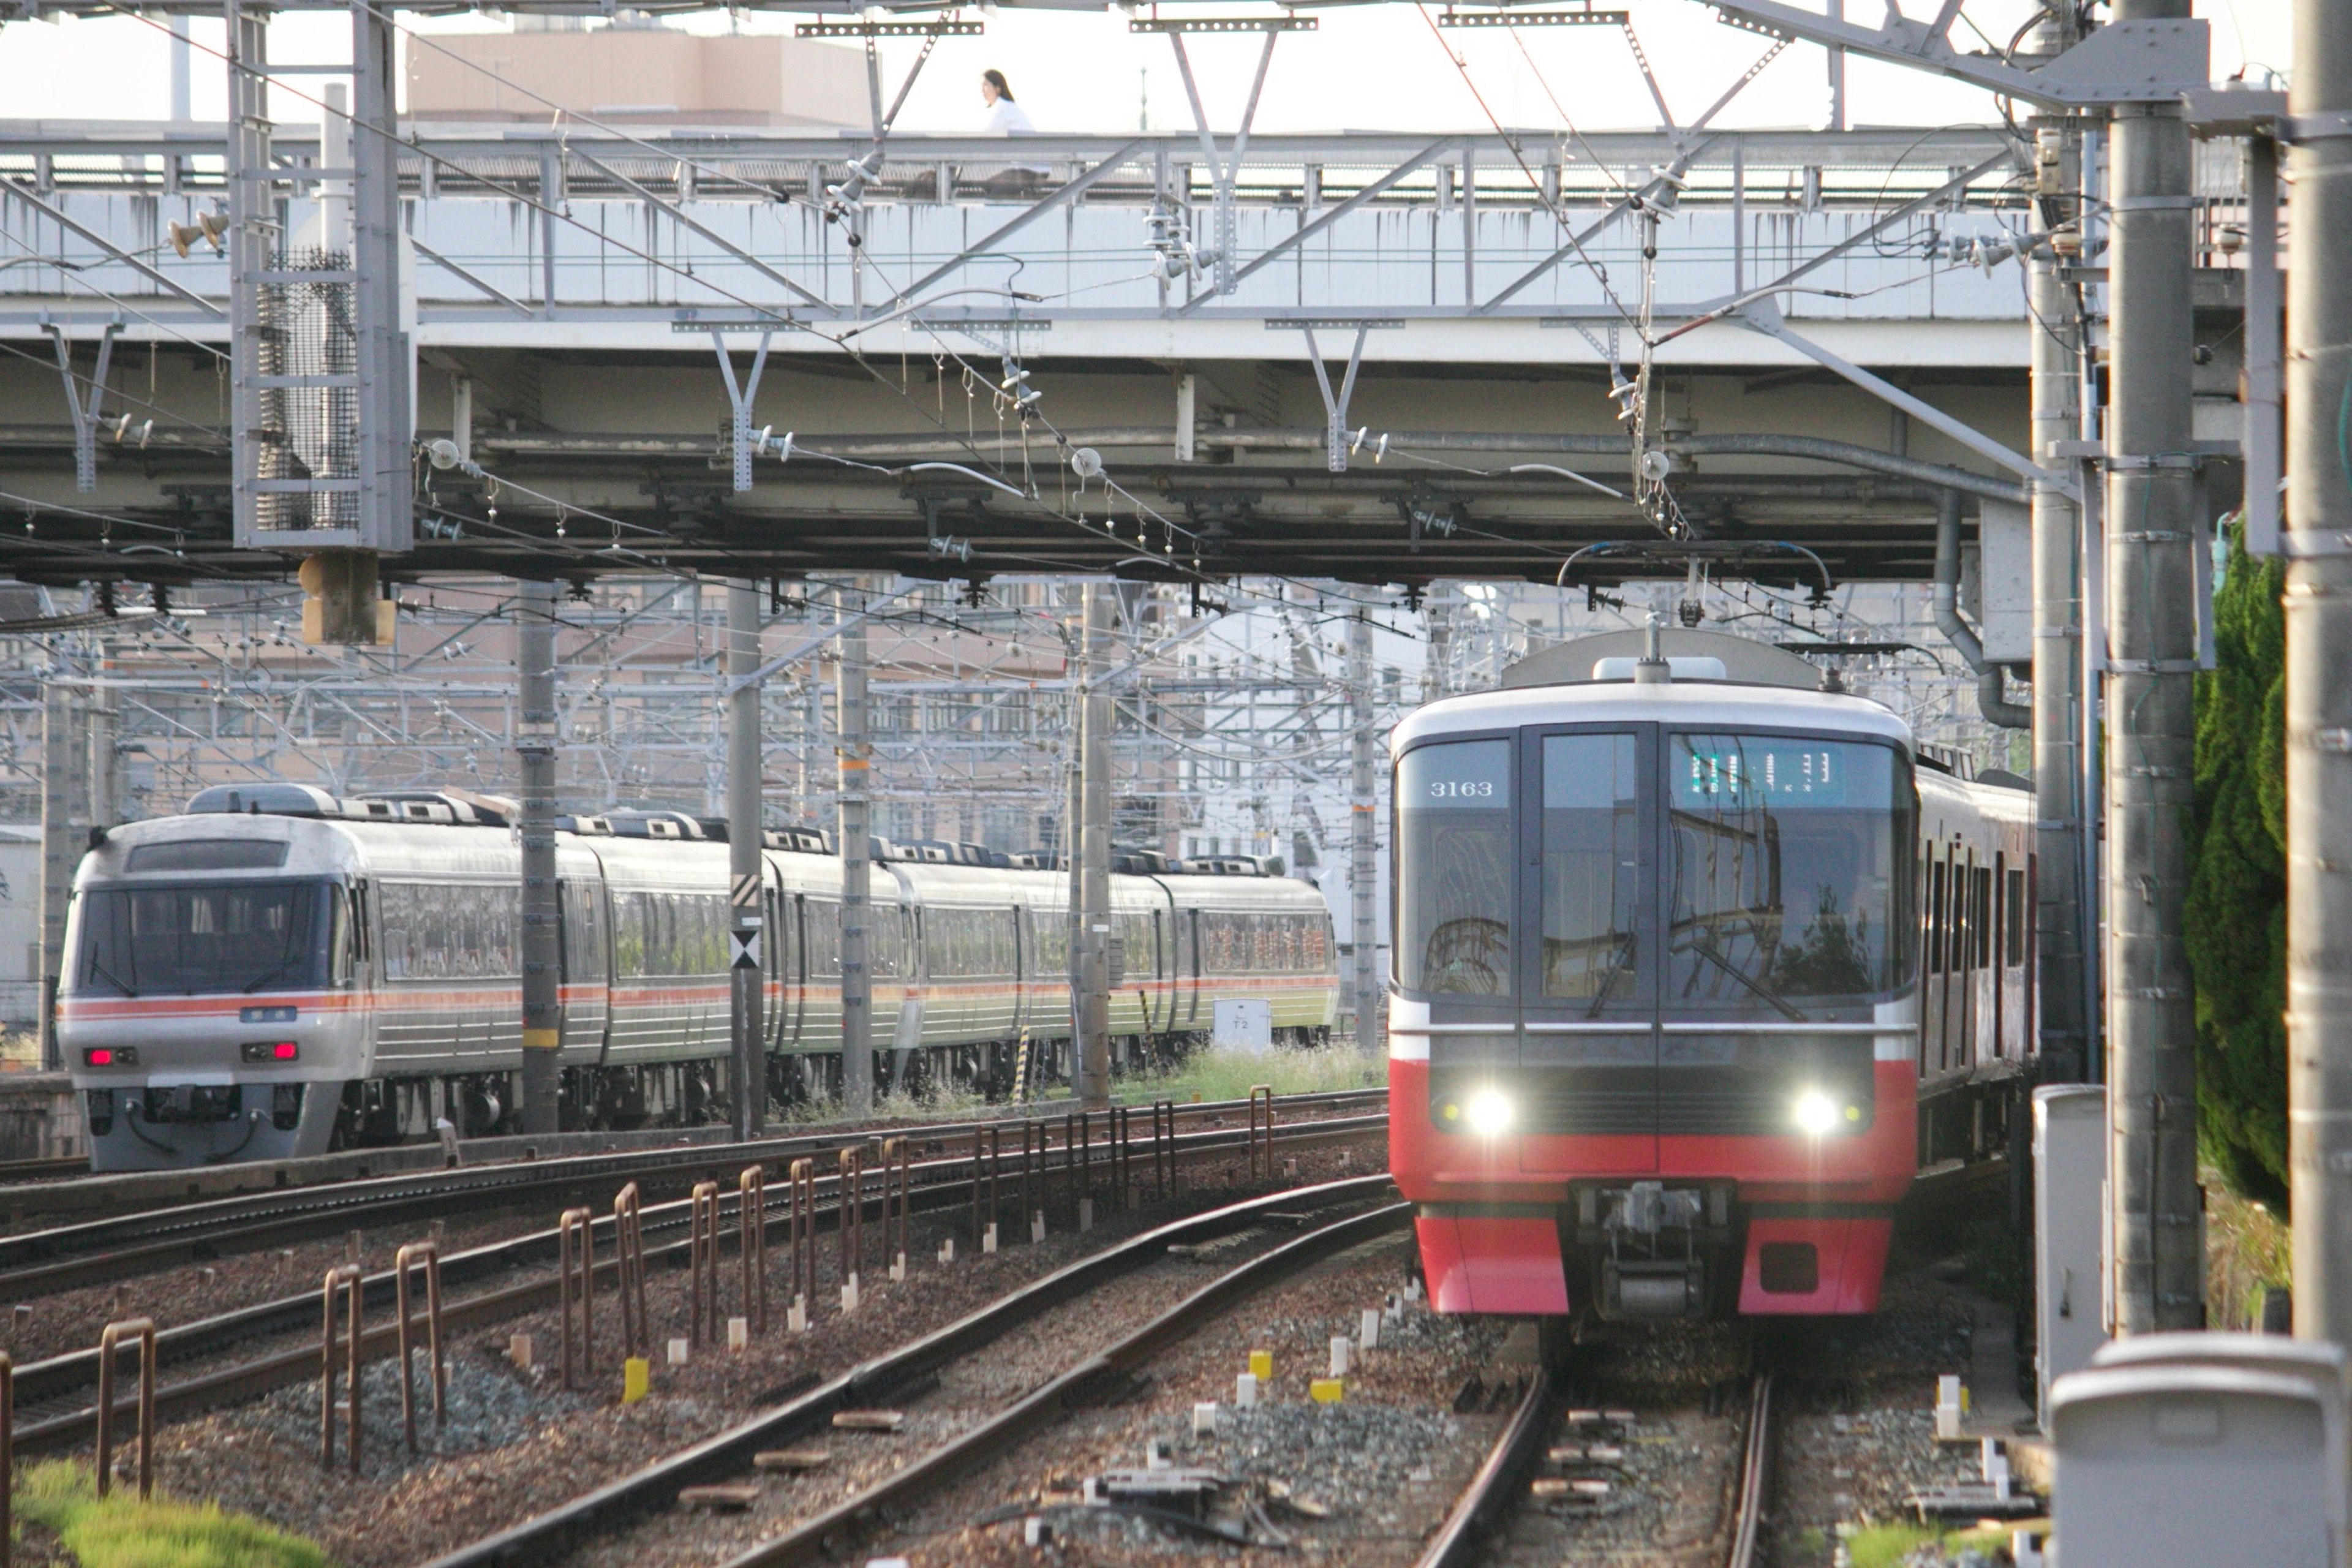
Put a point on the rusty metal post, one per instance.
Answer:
(1070, 1163)
(629, 1248)
(1121, 1147)
(979, 1143)
(575, 1288)
(1031, 1171)
(404, 1264)
(702, 1260)
(752, 1241)
(1163, 1149)
(850, 1205)
(804, 1231)
(348, 1278)
(1261, 1165)
(897, 1204)
(109, 1343)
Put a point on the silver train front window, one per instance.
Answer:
(188, 939)
(1455, 886)
(1790, 866)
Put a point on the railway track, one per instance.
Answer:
(1472, 1532)
(92, 1252)
(550, 1536)
(50, 1412)
(43, 1170)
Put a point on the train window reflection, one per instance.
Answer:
(1789, 862)
(187, 940)
(1455, 881)
(1591, 870)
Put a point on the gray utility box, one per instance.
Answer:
(2070, 1176)
(2167, 1463)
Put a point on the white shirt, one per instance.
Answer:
(1006, 118)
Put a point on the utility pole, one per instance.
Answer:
(2066, 1035)
(2158, 1267)
(1090, 1062)
(744, 876)
(2318, 696)
(1363, 824)
(854, 746)
(64, 828)
(543, 956)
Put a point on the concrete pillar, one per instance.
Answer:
(2318, 696)
(542, 954)
(2158, 1273)
(1363, 868)
(2059, 943)
(65, 831)
(855, 748)
(745, 824)
(1090, 1061)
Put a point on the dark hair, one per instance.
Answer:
(995, 79)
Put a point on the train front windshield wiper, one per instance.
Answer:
(272, 974)
(112, 978)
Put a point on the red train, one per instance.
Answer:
(1680, 944)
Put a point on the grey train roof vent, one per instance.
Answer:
(1745, 661)
(630, 824)
(266, 800)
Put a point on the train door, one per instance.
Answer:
(587, 984)
(1589, 1046)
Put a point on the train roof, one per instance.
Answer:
(1712, 703)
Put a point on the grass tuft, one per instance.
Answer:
(1231, 1075)
(120, 1531)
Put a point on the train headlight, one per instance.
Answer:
(1816, 1114)
(1489, 1114)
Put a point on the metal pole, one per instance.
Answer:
(542, 958)
(855, 748)
(1363, 869)
(61, 845)
(2057, 632)
(2159, 1270)
(2318, 698)
(743, 859)
(1090, 1063)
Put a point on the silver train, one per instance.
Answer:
(280, 971)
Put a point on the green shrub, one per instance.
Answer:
(2237, 891)
(120, 1531)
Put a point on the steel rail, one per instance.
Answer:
(608, 1508)
(1493, 1492)
(158, 1237)
(1755, 1474)
(50, 1380)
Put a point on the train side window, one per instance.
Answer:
(1982, 916)
(2016, 923)
(1936, 916)
(1455, 885)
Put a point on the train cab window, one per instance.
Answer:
(1455, 884)
(1591, 869)
(1787, 862)
(584, 931)
(821, 927)
(192, 939)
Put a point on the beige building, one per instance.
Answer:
(643, 74)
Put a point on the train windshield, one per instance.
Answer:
(186, 940)
(1789, 862)
(1454, 883)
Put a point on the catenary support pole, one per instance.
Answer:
(2158, 1267)
(542, 962)
(1363, 821)
(855, 746)
(1091, 1060)
(63, 832)
(744, 825)
(2318, 695)
(2056, 393)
